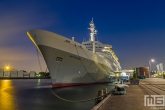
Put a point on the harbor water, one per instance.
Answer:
(37, 94)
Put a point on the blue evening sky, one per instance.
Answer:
(134, 28)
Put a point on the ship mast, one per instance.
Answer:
(92, 34)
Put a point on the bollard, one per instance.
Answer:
(100, 93)
(105, 91)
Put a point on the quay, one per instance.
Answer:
(134, 99)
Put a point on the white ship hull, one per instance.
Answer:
(69, 62)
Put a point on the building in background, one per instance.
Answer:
(143, 71)
(159, 67)
(160, 71)
(124, 75)
(17, 74)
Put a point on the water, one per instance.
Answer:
(35, 94)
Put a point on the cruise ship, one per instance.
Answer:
(71, 63)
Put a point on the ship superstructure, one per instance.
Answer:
(99, 48)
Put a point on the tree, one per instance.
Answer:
(163, 75)
(135, 75)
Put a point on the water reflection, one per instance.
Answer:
(35, 94)
(7, 100)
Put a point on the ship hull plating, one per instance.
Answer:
(67, 69)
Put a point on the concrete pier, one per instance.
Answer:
(134, 100)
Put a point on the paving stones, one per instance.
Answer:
(134, 100)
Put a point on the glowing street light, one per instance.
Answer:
(7, 67)
(152, 60)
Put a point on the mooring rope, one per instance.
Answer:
(83, 64)
(38, 60)
(76, 100)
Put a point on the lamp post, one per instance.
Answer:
(152, 60)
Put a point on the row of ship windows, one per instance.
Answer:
(96, 47)
(90, 44)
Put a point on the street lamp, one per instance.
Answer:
(7, 67)
(152, 60)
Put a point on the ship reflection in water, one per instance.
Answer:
(35, 94)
